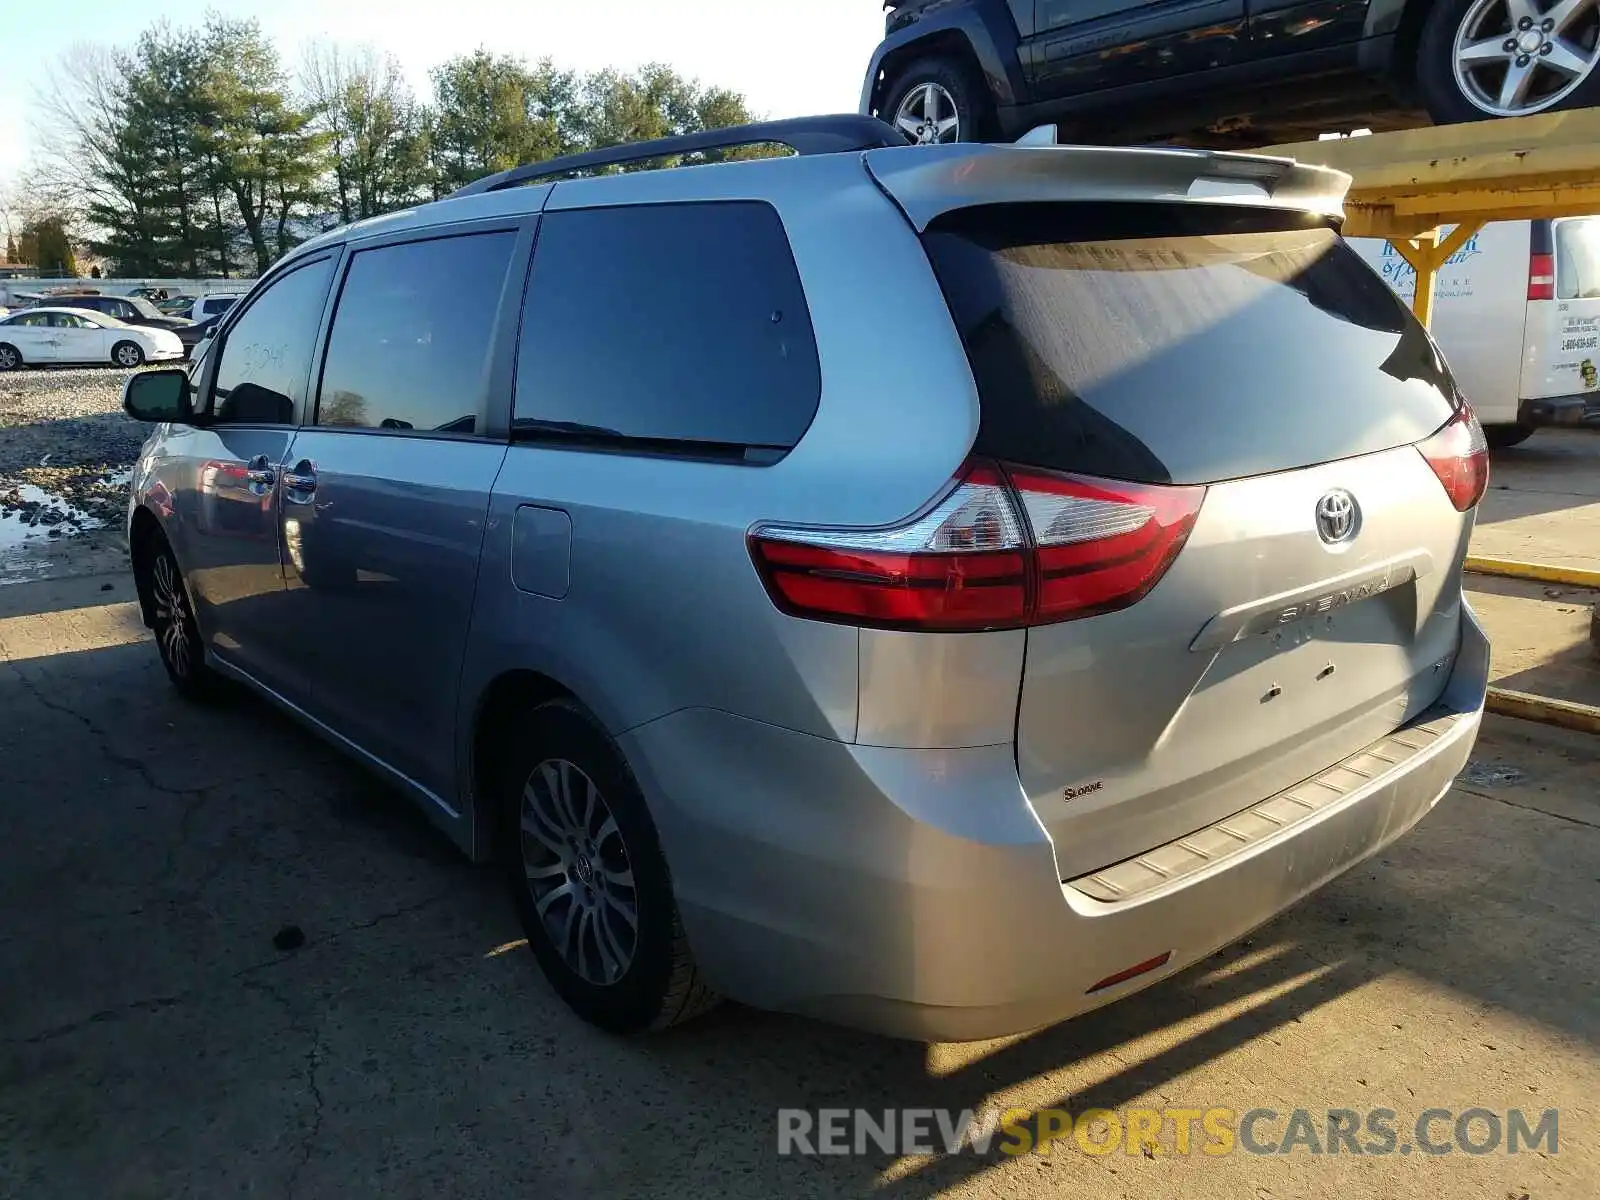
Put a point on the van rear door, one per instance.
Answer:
(1561, 368)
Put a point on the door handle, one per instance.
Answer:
(300, 482)
(260, 474)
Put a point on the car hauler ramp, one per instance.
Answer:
(1406, 185)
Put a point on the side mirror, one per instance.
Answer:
(208, 331)
(158, 396)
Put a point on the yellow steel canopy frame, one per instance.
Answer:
(1406, 185)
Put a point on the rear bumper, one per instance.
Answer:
(915, 893)
(1582, 409)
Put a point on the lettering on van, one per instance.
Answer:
(1580, 333)
(1402, 277)
(1332, 600)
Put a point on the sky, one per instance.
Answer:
(788, 57)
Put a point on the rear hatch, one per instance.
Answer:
(1261, 392)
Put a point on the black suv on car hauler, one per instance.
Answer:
(1209, 70)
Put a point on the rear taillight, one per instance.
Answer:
(1004, 548)
(1541, 277)
(1101, 545)
(1459, 456)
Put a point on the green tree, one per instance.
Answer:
(492, 112)
(654, 102)
(262, 145)
(373, 127)
(11, 249)
(50, 246)
(167, 102)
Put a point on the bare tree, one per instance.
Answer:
(80, 112)
(373, 124)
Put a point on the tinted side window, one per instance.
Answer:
(669, 323)
(410, 339)
(265, 357)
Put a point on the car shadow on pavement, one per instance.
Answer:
(160, 848)
(1553, 471)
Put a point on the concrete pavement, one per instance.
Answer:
(157, 1044)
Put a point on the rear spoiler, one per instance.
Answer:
(927, 181)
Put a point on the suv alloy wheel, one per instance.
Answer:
(1480, 59)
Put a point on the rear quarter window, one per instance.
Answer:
(667, 325)
(1181, 344)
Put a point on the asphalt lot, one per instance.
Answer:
(156, 1043)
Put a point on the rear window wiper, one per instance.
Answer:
(602, 437)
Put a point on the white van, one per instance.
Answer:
(1517, 313)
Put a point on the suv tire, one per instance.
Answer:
(1480, 21)
(935, 90)
(588, 877)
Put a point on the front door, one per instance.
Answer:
(79, 339)
(1087, 46)
(386, 491)
(253, 387)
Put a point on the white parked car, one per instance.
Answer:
(1517, 313)
(70, 335)
(214, 305)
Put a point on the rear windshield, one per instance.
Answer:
(1180, 344)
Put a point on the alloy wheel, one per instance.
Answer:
(1515, 57)
(927, 115)
(579, 872)
(128, 355)
(8, 359)
(171, 610)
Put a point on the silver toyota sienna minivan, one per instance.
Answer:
(938, 589)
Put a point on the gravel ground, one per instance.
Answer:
(64, 433)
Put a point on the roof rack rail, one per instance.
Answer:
(804, 135)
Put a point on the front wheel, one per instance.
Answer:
(127, 354)
(1481, 59)
(936, 101)
(10, 360)
(589, 879)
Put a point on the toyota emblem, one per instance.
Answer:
(1337, 517)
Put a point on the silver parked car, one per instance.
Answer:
(940, 589)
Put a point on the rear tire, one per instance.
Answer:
(1503, 437)
(127, 354)
(1454, 23)
(588, 877)
(166, 599)
(932, 91)
(10, 357)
